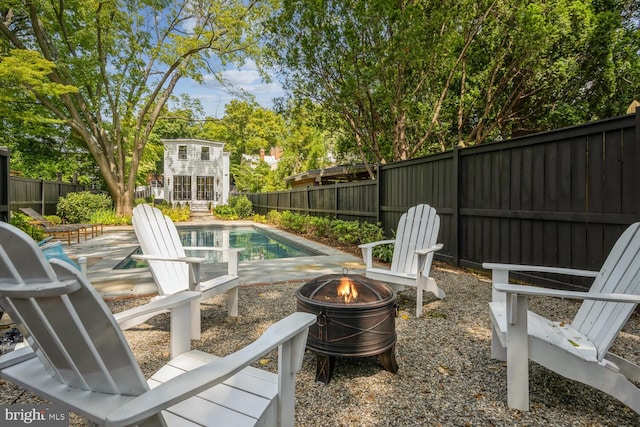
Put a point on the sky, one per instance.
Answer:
(213, 96)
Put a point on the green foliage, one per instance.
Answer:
(225, 212)
(78, 207)
(351, 233)
(109, 217)
(383, 252)
(403, 81)
(261, 219)
(241, 205)
(177, 213)
(24, 223)
(140, 201)
(54, 219)
(123, 59)
(294, 222)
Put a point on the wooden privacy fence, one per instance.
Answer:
(39, 194)
(4, 185)
(558, 198)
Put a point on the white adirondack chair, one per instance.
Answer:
(580, 350)
(78, 357)
(413, 250)
(173, 271)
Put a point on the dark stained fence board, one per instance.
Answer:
(556, 198)
(5, 200)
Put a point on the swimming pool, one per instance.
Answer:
(257, 242)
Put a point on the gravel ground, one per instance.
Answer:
(446, 376)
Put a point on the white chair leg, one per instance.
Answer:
(433, 288)
(180, 322)
(232, 301)
(195, 320)
(498, 352)
(517, 353)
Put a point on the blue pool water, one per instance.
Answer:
(258, 244)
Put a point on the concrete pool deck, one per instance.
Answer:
(104, 252)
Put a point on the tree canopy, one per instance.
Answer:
(411, 77)
(124, 59)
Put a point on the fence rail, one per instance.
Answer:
(39, 194)
(558, 198)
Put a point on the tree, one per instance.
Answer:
(246, 128)
(125, 58)
(407, 78)
(385, 68)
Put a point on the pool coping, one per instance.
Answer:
(105, 251)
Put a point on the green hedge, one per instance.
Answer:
(352, 233)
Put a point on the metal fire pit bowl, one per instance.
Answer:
(350, 325)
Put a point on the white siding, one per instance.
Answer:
(217, 167)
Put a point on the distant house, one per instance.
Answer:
(330, 175)
(272, 159)
(196, 172)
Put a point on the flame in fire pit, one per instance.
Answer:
(347, 289)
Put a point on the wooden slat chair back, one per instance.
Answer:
(158, 237)
(417, 229)
(173, 271)
(579, 350)
(601, 321)
(72, 332)
(413, 249)
(78, 357)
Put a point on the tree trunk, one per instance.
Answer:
(123, 202)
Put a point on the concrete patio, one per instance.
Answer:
(104, 252)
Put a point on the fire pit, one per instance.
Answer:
(356, 318)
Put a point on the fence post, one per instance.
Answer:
(455, 238)
(5, 194)
(378, 190)
(42, 197)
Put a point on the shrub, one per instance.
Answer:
(318, 226)
(78, 207)
(177, 213)
(140, 201)
(348, 232)
(275, 217)
(242, 206)
(262, 219)
(109, 217)
(345, 231)
(294, 222)
(53, 219)
(225, 212)
(24, 223)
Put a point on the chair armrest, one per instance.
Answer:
(211, 248)
(187, 259)
(132, 317)
(292, 328)
(232, 262)
(538, 269)
(422, 257)
(367, 251)
(433, 248)
(374, 244)
(558, 293)
(16, 356)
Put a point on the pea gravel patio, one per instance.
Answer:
(446, 376)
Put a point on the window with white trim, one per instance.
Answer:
(181, 187)
(204, 188)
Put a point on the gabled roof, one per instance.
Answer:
(193, 141)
